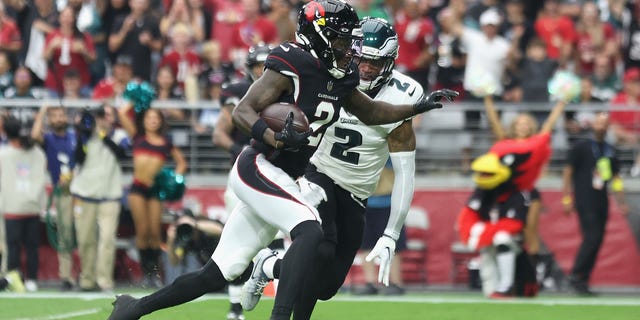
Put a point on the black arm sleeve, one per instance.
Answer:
(117, 150)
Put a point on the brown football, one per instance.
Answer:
(276, 114)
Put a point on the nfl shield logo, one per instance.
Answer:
(329, 85)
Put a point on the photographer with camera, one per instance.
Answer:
(190, 242)
(97, 190)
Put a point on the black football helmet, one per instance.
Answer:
(379, 46)
(329, 29)
(256, 54)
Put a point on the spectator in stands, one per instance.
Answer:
(255, 29)
(477, 8)
(97, 190)
(415, 37)
(167, 89)
(606, 83)
(6, 76)
(557, 32)
(202, 17)
(631, 32)
(152, 148)
(280, 15)
(592, 169)
(113, 86)
(486, 56)
(227, 15)
(59, 144)
(21, 85)
(181, 14)
(449, 54)
(593, 38)
(10, 38)
(72, 85)
(182, 59)
(116, 10)
(535, 71)
(370, 8)
(212, 64)
(23, 178)
(516, 27)
(136, 35)
(36, 19)
(67, 48)
(625, 123)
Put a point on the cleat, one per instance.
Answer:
(366, 290)
(500, 296)
(15, 282)
(123, 308)
(253, 288)
(235, 316)
(31, 285)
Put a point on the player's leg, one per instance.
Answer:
(243, 235)
(488, 270)
(235, 287)
(276, 198)
(506, 250)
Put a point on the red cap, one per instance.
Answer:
(632, 74)
(103, 90)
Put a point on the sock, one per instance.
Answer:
(268, 265)
(506, 260)
(296, 263)
(185, 288)
(234, 293)
(277, 265)
(236, 308)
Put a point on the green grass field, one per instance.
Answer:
(463, 306)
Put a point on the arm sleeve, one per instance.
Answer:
(403, 185)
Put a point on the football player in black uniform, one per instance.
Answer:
(318, 75)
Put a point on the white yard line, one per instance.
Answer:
(66, 315)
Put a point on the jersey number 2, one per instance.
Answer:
(339, 150)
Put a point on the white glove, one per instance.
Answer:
(313, 193)
(385, 249)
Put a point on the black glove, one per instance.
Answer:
(432, 101)
(291, 139)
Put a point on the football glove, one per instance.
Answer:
(313, 193)
(292, 139)
(384, 249)
(432, 101)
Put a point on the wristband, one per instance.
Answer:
(617, 185)
(258, 129)
(567, 200)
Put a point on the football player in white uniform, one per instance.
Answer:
(344, 172)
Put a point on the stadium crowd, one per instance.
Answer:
(191, 49)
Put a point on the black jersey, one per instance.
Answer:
(318, 94)
(231, 95)
(492, 205)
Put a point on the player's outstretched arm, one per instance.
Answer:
(373, 112)
(264, 91)
(402, 145)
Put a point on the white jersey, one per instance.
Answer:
(352, 153)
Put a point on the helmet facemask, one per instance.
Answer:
(379, 50)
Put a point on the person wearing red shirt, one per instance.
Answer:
(67, 48)
(181, 59)
(227, 14)
(558, 32)
(626, 123)
(415, 35)
(255, 29)
(10, 39)
(593, 37)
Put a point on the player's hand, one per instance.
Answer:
(313, 193)
(385, 249)
(433, 100)
(291, 139)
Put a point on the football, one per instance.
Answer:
(276, 114)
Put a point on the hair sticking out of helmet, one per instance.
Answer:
(378, 52)
(329, 30)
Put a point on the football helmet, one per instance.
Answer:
(329, 30)
(256, 54)
(379, 47)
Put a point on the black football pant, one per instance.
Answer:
(343, 219)
(593, 220)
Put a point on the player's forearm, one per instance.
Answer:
(383, 112)
(402, 192)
